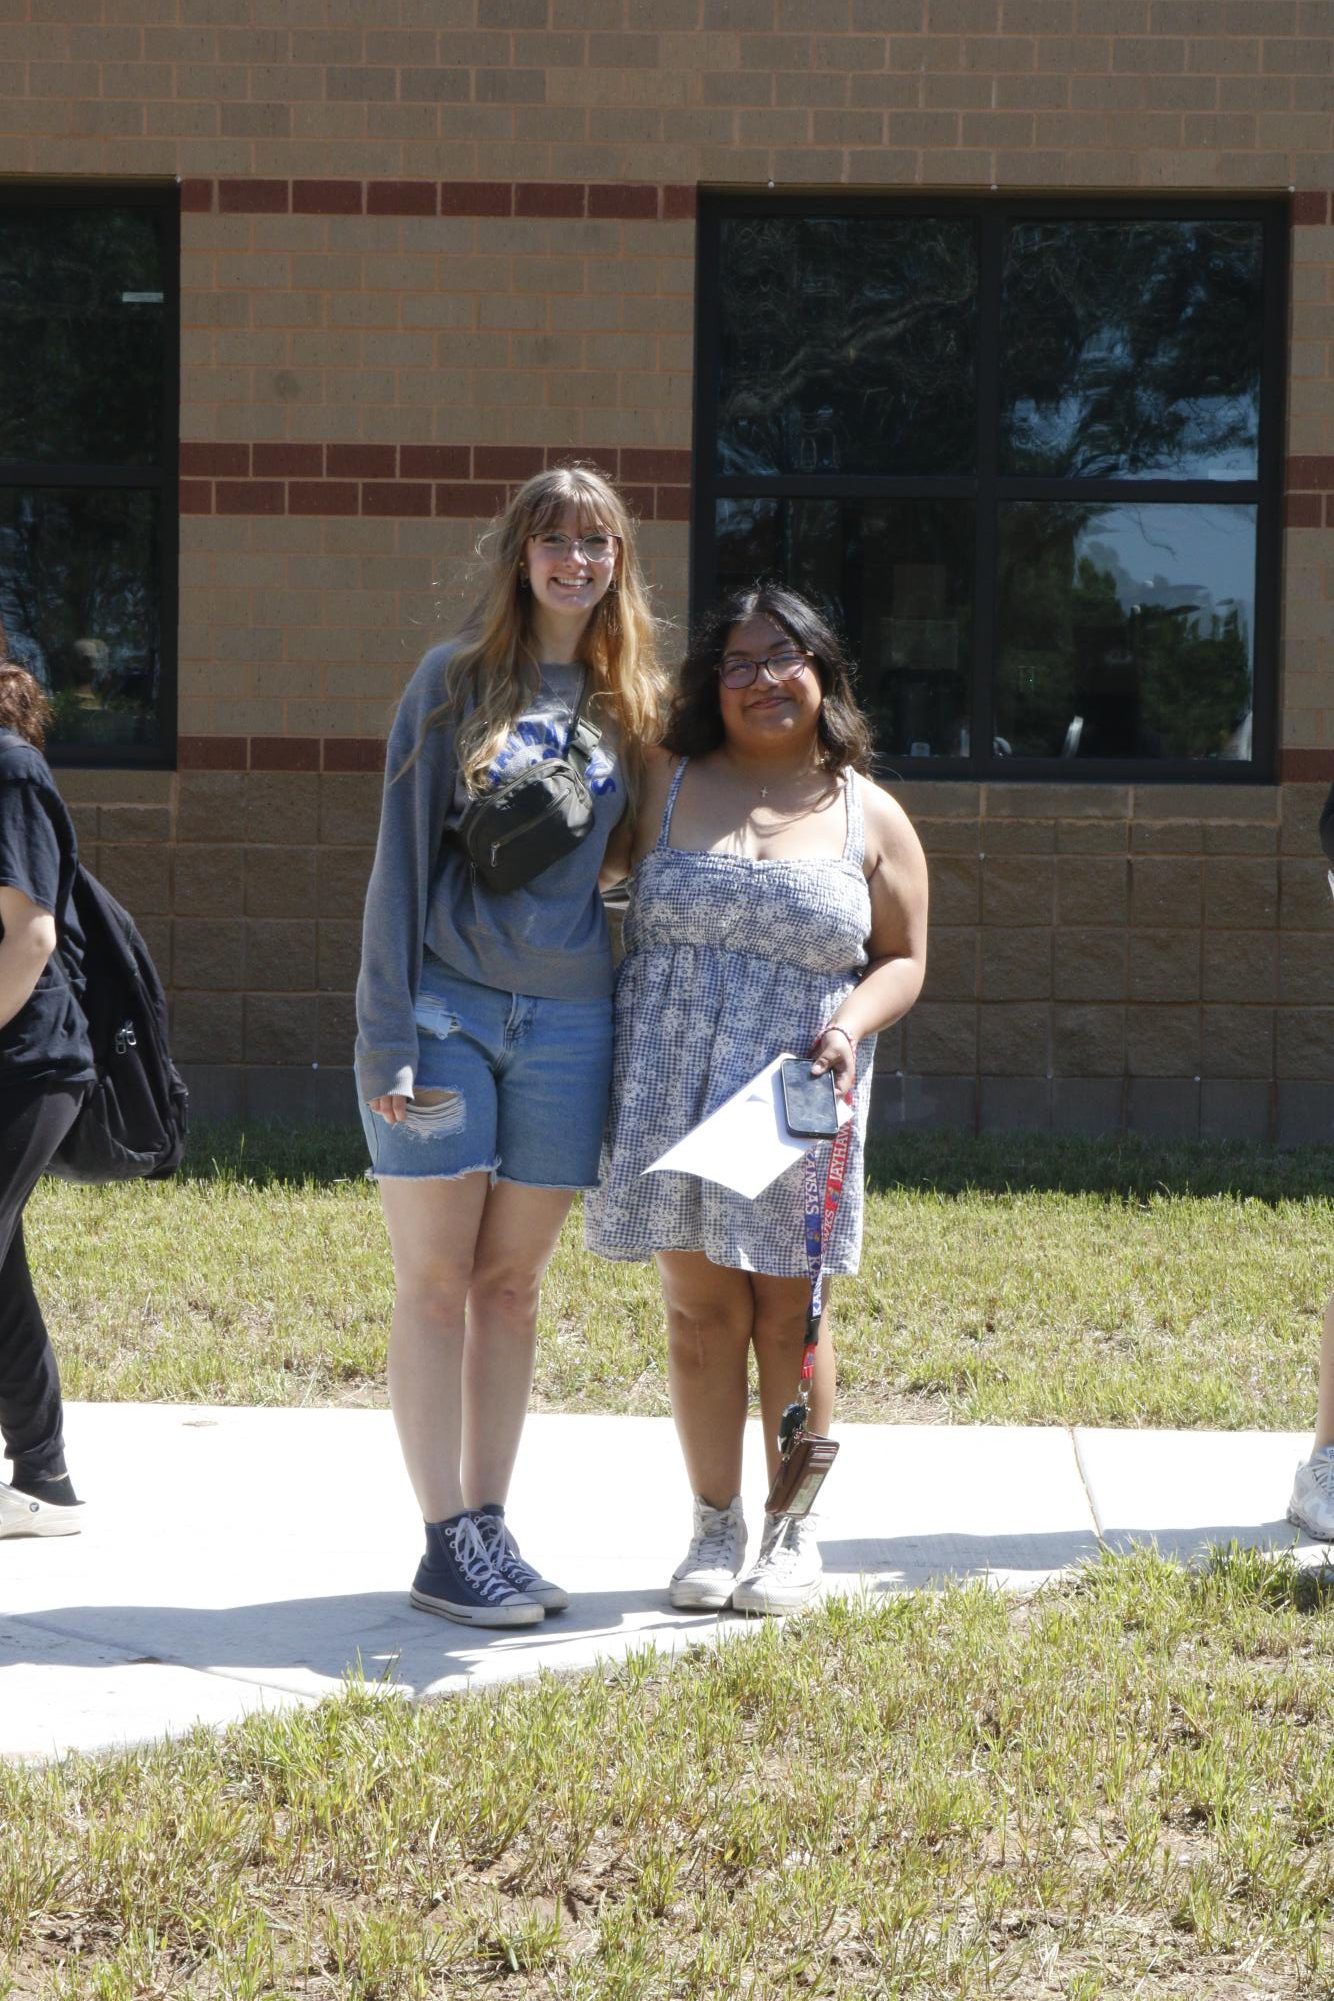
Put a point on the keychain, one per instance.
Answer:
(808, 1455)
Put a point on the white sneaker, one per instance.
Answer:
(703, 1581)
(786, 1574)
(1312, 1504)
(24, 1514)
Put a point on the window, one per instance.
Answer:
(88, 451)
(1028, 454)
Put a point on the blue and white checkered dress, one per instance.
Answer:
(729, 961)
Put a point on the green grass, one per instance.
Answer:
(1026, 1281)
(1122, 1787)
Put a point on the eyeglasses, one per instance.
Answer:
(738, 670)
(595, 548)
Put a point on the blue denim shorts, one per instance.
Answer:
(528, 1079)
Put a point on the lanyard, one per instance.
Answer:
(821, 1213)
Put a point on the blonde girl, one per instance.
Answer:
(484, 1018)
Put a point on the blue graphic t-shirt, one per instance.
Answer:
(549, 938)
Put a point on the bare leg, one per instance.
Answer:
(1324, 1420)
(780, 1335)
(514, 1245)
(710, 1316)
(433, 1228)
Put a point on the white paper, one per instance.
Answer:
(745, 1144)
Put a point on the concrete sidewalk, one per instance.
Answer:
(237, 1559)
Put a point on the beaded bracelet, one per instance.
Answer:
(836, 1028)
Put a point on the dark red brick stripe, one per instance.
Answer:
(1306, 767)
(280, 753)
(646, 201)
(366, 753)
(1308, 501)
(1311, 206)
(403, 481)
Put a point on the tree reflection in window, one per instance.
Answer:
(1131, 349)
(88, 460)
(847, 344)
(1120, 635)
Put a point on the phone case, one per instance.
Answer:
(810, 1106)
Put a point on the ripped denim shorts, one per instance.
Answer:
(525, 1084)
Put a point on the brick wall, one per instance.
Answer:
(426, 252)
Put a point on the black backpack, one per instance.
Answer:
(132, 1123)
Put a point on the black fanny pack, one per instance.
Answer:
(535, 818)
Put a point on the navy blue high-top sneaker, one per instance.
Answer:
(457, 1579)
(504, 1554)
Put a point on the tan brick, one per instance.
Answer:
(209, 953)
(1014, 1039)
(280, 955)
(1020, 837)
(208, 881)
(951, 970)
(1090, 965)
(1163, 1041)
(955, 882)
(1016, 964)
(1164, 965)
(281, 1028)
(1242, 965)
(1306, 966)
(1166, 892)
(210, 805)
(139, 877)
(942, 1039)
(1088, 1041)
(339, 954)
(206, 1028)
(1304, 1042)
(1240, 894)
(1092, 889)
(280, 882)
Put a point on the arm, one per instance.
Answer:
(28, 942)
(412, 817)
(893, 979)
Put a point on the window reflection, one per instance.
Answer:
(846, 344)
(78, 600)
(81, 336)
(1131, 349)
(896, 578)
(1125, 630)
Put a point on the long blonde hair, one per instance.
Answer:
(484, 681)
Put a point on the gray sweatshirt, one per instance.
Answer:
(549, 938)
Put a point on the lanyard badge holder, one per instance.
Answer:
(807, 1455)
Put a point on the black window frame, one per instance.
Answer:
(989, 489)
(161, 204)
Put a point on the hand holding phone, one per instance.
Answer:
(810, 1104)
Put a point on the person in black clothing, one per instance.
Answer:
(1312, 1504)
(46, 1064)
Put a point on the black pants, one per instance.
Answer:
(33, 1122)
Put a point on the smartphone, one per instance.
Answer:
(810, 1104)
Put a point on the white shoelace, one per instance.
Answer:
(474, 1560)
(713, 1548)
(504, 1556)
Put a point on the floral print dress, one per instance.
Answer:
(729, 962)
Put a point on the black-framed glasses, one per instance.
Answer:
(596, 548)
(738, 670)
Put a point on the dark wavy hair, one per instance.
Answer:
(695, 724)
(23, 707)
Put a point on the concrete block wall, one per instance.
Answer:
(430, 246)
